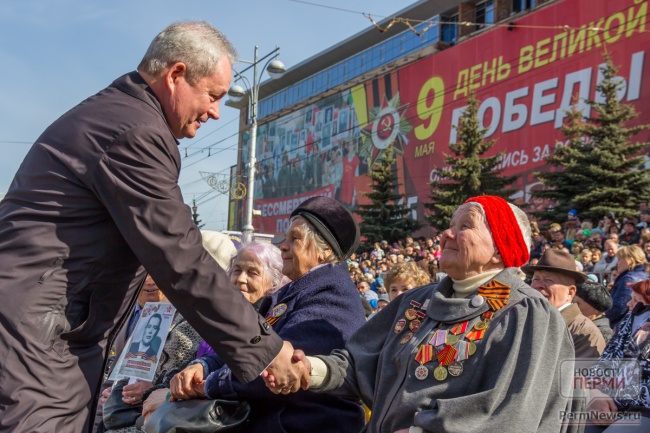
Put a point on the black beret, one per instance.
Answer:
(333, 222)
(595, 295)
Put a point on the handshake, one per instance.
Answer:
(289, 371)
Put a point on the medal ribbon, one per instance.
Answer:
(438, 338)
(446, 355)
(459, 328)
(475, 334)
(425, 354)
(463, 351)
(495, 293)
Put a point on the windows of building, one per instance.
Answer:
(522, 5)
(449, 30)
(484, 14)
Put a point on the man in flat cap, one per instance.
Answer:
(556, 278)
(593, 299)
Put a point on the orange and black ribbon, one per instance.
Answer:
(496, 294)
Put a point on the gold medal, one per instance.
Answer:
(411, 314)
(415, 325)
(471, 349)
(440, 373)
(455, 368)
(451, 339)
(481, 325)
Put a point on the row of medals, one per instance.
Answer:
(450, 346)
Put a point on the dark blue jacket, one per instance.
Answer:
(621, 293)
(322, 312)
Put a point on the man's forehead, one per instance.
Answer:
(556, 277)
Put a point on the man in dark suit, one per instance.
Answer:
(94, 203)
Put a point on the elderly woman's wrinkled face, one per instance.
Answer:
(297, 257)
(467, 245)
(249, 276)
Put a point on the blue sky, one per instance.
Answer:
(57, 53)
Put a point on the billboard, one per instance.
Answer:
(526, 76)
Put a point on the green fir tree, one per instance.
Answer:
(600, 170)
(469, 173)
(384, 218)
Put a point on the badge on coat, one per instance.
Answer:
(275, 313)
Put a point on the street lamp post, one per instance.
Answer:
(275, 69)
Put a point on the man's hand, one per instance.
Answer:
(601, 403)
(188, 384)
(299, 356)
(286, 375)
(153, 402)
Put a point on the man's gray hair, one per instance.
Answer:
(197, 44)
(312, 237)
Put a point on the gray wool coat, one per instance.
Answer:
(514, 383)
(95, 200)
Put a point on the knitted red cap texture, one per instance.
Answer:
(505, 230)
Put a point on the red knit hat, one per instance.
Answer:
(505, 230)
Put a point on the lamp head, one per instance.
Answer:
(276, 69)
(236, 92)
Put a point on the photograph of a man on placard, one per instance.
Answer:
(148, 343)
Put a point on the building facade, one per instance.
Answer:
(330, 118)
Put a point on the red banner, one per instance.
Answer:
(276, 212)
(526, 76)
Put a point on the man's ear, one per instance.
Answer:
(175, 72)
(572, 291)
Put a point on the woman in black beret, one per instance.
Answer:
(317, 312)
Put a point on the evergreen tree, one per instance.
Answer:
(469, 173)
(384, 218)
(600, 170)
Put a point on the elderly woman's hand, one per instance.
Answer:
(153, 402)
(297, 373)
(188, 384)
(132, 394)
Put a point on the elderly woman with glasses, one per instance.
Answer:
(319, 311)
(479, 351)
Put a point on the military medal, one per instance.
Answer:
(440, 373)
(415, 325)
(401, 323)
(275, 313)
(424, 355)
(471, 348)
(459, 328)
(438, 338)
(481, 326)
(455, 368)
(475, 334)
(451, 339)
(406, 338)
(410, 314)
(446, 355)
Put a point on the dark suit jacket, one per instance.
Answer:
(95, 200)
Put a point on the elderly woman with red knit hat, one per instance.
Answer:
(480, 351)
